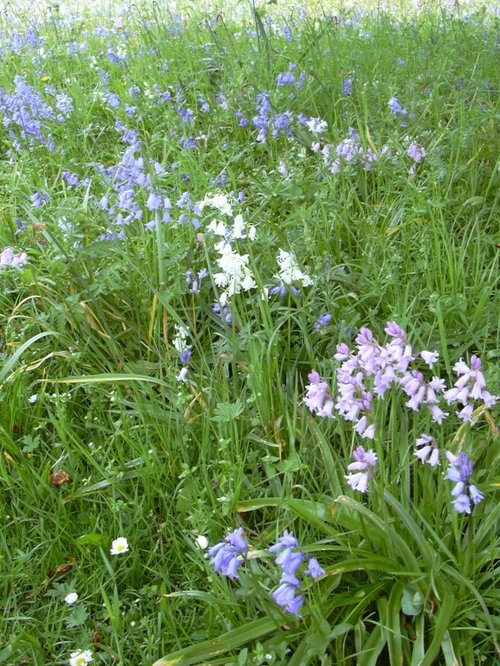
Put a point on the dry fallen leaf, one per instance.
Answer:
(64, 568)
(59, 477)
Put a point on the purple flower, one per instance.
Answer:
(428, 451)
(230, 554)
(416, 152)
(460, 472)
(185, 355)
(347, 86)
(429, 357)
(396, 108)
(39, 199)
(363, 468)
(9, 258)
(70, 178)
(286, 595)
(318, 398)
(471, 385)
(314, 570)
(223, 312)
(285, 78)
(186, 115)
(290, 557)
(154, 201)
(322, 321)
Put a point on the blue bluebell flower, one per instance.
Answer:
(227, 556)
(460, 472)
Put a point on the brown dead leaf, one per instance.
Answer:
(64, 568)
(59, 477)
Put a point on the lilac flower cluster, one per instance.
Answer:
(39, 199)
(8, 258)
(369, 372)
(261, 119)
(194, 280)
(18, 42)
(350, 151)
(416, 152)
(227, 557)
(362, 469)
(460, 472)
(374, 368)
(277, 124)
(396, 107)
(470, 386)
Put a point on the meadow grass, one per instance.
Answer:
(389, 211)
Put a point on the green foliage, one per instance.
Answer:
(89, 370)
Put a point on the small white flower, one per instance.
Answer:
(290, 271)
(80, 658)
(119, 546)
(430, 357)
(317, 126)
(217, 201)
(179, 342)
(33, 398)
(181, 377)
(218, 228)
(71, 598)
(202, 542)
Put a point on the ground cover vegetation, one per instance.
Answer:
(248, 337)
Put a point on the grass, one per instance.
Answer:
(88, 359)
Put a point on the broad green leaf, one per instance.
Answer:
(419, 643)
(92, 539)
(412, 602)
(370, 651)
(393, 624)
(232, 640)
(442, 622)
(383, 531)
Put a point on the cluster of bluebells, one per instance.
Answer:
(372, 369)
(415, 152)
(27, 116)
(16, 42)
(229, 555)
(460, 471)
(131, 189)
(39, 199)
(351, 152)
(289, 77)
(268, 122)
(289, 558)
(362, 469)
